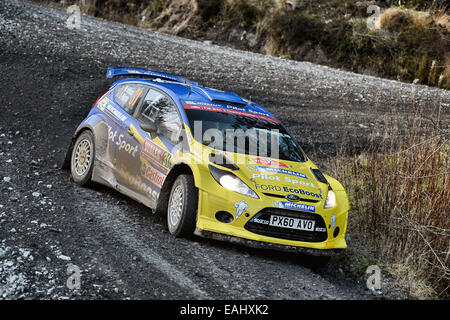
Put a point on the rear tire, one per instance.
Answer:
(182, 206)
(82, 159)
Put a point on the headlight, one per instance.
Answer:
(330, 202)
(231, 182)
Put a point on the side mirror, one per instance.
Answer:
(149, 127)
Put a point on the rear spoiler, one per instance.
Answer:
(113, 72)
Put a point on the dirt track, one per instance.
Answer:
(51, 76)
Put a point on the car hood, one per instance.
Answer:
(275, 177)
(296, 180)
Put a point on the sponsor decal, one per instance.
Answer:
(153, 175)
(266, 177)
(121, 142)
(201, 103)
(240, 206)
(271, 187)
(302, 192)
(289, 180)
(268, 162)
(137, 183)
(261, 221)
(155, 154)
(267, 187)
(102, 103)
(217, 105)
(135, 97)
(295, 206)
(110, 110)
(119, 91)
(279, 170)
(333, 222)
(204, 106)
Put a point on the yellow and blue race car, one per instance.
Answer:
(217, 165)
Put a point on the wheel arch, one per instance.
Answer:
(90, 123)
(66, 163)
(163, 199)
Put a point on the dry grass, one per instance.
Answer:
(446, 74)
(424, 37)
(394, 17)
(400, 191)
(175, 18)
(443, 19)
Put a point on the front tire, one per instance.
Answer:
(82, 159)
(182, 206)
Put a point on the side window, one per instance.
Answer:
(162, 111)
(128, 96)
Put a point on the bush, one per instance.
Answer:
(400, 191)
(244, 13)
(209, 9)
(294, 28)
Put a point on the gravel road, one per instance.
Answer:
(51, 75)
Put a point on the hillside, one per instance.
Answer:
(407, 43)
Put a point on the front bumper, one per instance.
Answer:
(243, 231)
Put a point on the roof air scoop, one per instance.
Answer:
(223, 97)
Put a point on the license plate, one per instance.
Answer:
(292, 223)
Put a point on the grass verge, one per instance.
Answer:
(399, 190)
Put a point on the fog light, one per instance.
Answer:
(224, 216)
(336, 232)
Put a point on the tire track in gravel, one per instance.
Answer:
(125, 234)
(234, 288)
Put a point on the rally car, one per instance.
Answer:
(217, 165)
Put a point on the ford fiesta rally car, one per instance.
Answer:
(147, 137)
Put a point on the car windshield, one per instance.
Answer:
(243, 134)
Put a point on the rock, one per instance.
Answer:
(64, 258)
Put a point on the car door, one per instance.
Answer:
(159, 110)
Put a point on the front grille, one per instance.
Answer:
(285, 233)
(284, 197)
